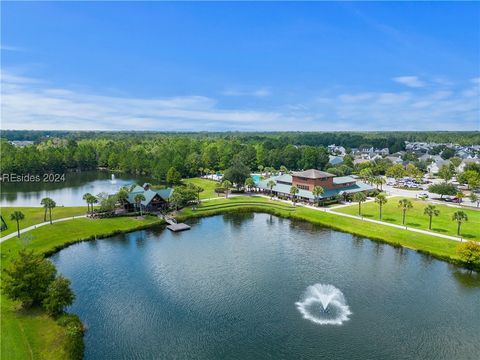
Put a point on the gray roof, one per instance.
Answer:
(343, 179)
(283, 178)
(285, 189)
(312, 174)
(334, 160)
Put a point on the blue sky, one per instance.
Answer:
(240, 66)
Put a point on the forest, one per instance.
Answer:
(191, 154)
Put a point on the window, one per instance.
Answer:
(303, 187)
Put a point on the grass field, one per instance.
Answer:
(415, 218)
(208, 186)
(32, 334)
(34, 215)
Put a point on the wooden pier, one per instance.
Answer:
(174, 226)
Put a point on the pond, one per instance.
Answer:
(254, 286)
(65, 193)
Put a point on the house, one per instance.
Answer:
(394, 159)
(154, 199)
(465, 162)
(21, 143)
(334, 149)
(436, 165)
(360, 161)
(306, 181)
(335, 160)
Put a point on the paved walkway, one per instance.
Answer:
(402, 227)
(33, 227)
(329, 210)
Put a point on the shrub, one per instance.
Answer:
(469, 253)
(59, 295)
(74, 330)
(28, 277)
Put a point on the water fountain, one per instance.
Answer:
(113, 181)
(324, 304)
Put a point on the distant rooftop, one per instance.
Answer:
(312, 174)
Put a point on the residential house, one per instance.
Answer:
(335, 160)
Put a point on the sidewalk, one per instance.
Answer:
(33, 227)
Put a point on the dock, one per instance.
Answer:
(174, 226)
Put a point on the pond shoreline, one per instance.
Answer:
(256, 208)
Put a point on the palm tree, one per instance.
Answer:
(92, 200)
(380, 181)
(317, 192)
(359, 197)
(271, 184)
(51, 204)
(365, 174)
(431, 211)
(460, 196)
(138, 200)
(404, 204)
(283, 169)
(294, 191)
(226, 185)
(85, 197)
(122, 195)
(381, 200)
(198, 189)
(249, 183)
(260, 168)
(17, 216)
(460, 217)
(45, 202)
(474, 198)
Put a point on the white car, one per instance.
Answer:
(423, 195)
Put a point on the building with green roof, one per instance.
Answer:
(154, 199)
(306, 180)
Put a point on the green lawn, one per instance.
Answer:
(442, 223)
(208, 186)
(32, 334)
(34, 215)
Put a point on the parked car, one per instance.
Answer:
(423, 195)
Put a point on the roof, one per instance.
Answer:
(335, 159)
(165, 194)
(312, 174)
(285, 189)
(343, 179)
(283, 178)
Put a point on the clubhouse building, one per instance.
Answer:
(154, 199)
(306, 180)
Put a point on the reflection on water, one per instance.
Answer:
(67, 193)
(230, 289)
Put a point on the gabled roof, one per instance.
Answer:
(165, 194)
(312, 174)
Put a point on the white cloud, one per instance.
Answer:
(4, 47)
(262, 92)
(32, 104)
(410, 81)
